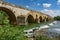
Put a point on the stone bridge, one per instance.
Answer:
(23, 16)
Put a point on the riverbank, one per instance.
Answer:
(15, 32)
(50, 33)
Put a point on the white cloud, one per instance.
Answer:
(58, 2)
(38, 4)
(27, 6)
(51, 12)
(46, 5)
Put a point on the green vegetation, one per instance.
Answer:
(12, 32)
(3, 18)
(57, 18)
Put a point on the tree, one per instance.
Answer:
(57, 18)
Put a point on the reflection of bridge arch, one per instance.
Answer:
(40, 18)
(11, 15)
(30, 19)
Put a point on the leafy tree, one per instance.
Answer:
(57, 18)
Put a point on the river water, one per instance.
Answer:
(54, 30)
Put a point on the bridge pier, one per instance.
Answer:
(38, 20)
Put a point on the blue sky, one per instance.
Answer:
(50, 7)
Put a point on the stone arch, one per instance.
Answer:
(30, 19)
(11, 15)
(40, 18)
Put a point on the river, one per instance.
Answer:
(54, 30)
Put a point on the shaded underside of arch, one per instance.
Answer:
(47, 19)
(11, 15)
(40, 19)
(30, 19)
